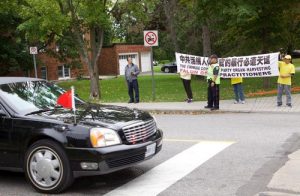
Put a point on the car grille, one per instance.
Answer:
(139, 131)
(112, 163)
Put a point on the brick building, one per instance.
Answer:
(113, 60)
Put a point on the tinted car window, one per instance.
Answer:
(30, 96)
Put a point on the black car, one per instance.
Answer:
(296, 54)
(169, 68)
(53, 145)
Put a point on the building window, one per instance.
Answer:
(133, 56)
(64, 71)
(44, 73)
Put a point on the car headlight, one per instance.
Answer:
(101, 137)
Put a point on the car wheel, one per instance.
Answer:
(47, 167)
(167, 70)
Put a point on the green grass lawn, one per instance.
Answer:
(296, 62)
(168, 88)
(157, 68)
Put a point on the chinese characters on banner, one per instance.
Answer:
(194, 65)
(263, 65)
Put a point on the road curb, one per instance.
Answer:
(197, 112)
(276, 194)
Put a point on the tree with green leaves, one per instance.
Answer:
(131, 18)
(255, 26)
(14, 55)
(79, 24)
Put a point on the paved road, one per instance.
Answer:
(259, 145)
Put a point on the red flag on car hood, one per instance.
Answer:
(67, 100)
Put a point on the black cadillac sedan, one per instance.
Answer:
(53, 145)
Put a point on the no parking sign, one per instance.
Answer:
(33, 50)
(150, 38)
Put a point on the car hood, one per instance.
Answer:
(98, 115)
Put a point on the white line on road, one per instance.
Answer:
(194, 141)
(167, 173)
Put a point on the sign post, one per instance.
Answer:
(34, 51)
(150, 40)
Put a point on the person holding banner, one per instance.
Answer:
(186, 80)
(238, 90)
(286, 71)
(213, 80)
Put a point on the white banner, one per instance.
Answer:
(195, 65)
(263, 65)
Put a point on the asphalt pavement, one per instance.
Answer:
(285, 181)
(218, 154)
(249, 150)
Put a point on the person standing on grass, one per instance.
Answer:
(238, 90)
(213, 81)
(186, 80)
(131, 73)
(286, 71)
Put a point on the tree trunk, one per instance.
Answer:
(266, 80)
(206, 41)
(264, 40)
(88, 52)
(170, 9)
(94, 82)
(96, 42)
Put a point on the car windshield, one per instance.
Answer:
(31, 96)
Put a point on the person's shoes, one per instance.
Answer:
(235, 102)
(207, 107)
(214, 108)
(289, 105)
(189, 100)
(243, 102)
(279, 104)
(130, 101)
(136, 101)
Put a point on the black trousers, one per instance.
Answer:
(133, 86)
(187, 88)
(213, 95)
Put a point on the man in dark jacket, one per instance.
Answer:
(131, 73)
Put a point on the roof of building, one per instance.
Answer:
(7, 80)
(123, 44)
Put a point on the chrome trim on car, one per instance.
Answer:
(139, 131)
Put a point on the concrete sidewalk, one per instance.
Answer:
(265, 105)
(286, 181)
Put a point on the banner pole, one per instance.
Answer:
(73, 104)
